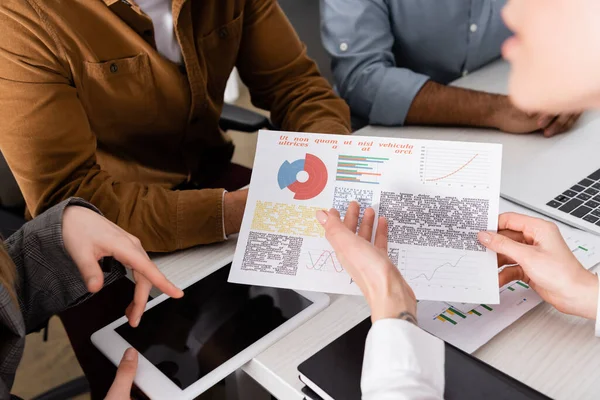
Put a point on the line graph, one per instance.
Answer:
(464, 168)
(439, 267)
(453, 172)
(321, 261)
(446, 264)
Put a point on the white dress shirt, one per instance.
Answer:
(402, 362)
(160, 11)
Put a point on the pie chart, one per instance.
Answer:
(312, 186)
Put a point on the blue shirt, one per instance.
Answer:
(383, 51)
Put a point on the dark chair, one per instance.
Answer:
(9, 223)
(240, 119)
(305, 16)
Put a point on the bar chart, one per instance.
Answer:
(359, 169)
(454, 314)
(470, 329)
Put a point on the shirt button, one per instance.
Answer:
(465, 73)
(343, 46)
(114, 68)
(473, 28)
(223, 33)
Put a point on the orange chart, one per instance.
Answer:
(454, 167)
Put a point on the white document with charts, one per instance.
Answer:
(436, 196)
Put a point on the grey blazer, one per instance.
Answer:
(48, 282)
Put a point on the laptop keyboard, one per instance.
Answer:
(581, 200)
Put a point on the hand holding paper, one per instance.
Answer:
(387, 293)
(436, 196)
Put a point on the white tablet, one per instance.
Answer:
(188, 345)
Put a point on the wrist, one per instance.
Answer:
(228, 206)
(390, 299)
(583, 296)
(496, 110)
(234, 204)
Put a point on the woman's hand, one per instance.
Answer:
(387, 293)
(544, 261)
(88, 237)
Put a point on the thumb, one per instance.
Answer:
(335, 231)
(121, 387)
(503, 245)
(90, 270)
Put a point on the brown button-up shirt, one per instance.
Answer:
(89, 108)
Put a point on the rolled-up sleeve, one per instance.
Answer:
(358, 36)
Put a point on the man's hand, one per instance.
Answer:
(121, 387)
(88, 237)
(386, 291)
(509, 118)
(234, 205)
(544, 261)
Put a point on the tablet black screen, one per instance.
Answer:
(189, 337)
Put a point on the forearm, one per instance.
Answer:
(281, 77)
(437, 104)
(308, 104)
(48, 281)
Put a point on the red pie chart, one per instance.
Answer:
(317, 177)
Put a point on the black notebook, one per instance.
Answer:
(334, 373)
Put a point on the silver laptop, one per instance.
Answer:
(558, 177)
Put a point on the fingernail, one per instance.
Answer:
(322, 216)
(137, 321)
(92, 281)
(130, 354)
(484, 237)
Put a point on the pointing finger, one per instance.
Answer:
(140, 297)
(138, 261)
